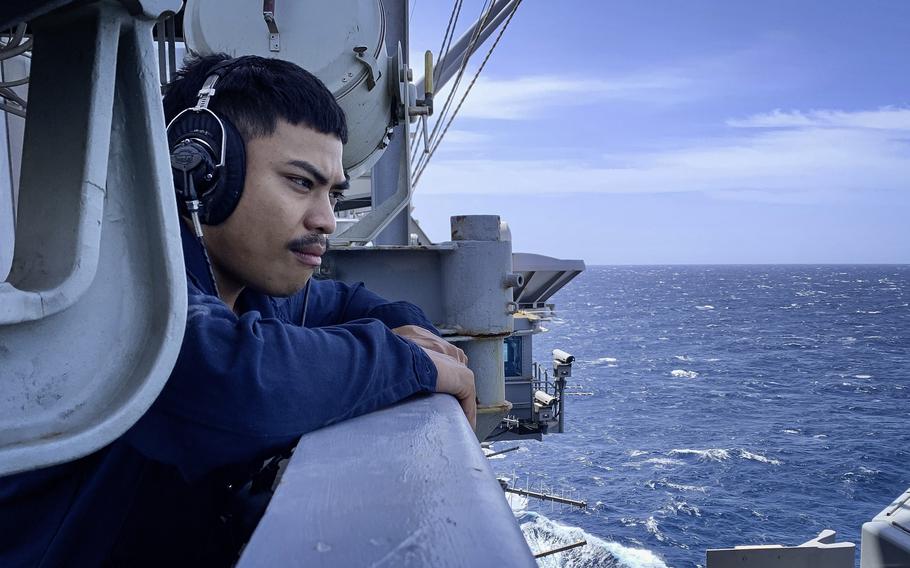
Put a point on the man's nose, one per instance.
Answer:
(321, 216)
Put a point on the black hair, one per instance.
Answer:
(256, 93)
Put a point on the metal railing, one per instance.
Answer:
(404, 486)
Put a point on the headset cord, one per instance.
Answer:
(306, 301)
(193, 206)
(208, 264)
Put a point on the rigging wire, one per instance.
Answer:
(432, 142)
(450, 30)
(485, 12)
(443, 52)
(411, 13)
(486, 58)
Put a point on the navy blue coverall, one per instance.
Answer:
(244, 388)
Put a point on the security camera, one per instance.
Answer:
(561, 356)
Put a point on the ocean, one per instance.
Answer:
(716, 406)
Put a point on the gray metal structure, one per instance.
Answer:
(886, 538)
(464, 286)
(92, 312)
(820, 552)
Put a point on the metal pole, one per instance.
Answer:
(546, 497)
(560, 391)
(561, 549)
(387, 171)
(505, 451)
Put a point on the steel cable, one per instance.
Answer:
(465, 95)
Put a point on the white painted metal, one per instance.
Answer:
(820, 552)
(93, 316)
(320, 37)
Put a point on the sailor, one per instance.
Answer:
(268, 353)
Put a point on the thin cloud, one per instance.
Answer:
(466, 138)
(529, 97)
(669, 83)
(803, 162)
(884, 118)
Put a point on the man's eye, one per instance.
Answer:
(302, 182)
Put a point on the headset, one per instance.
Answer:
(208, 158)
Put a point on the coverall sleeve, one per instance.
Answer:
(244, 387)
(333, 302)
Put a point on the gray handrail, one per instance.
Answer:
(405, 486)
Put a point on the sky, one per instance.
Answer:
(645, 132)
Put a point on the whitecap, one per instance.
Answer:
(654, 528)
(705, 307)
(682, 357)
(683, 374)
(682, 487)
(602, 360)
(747, 455)
(663, 461)
(677, 507)
(790, 431)
(862, 376)
(636, 453)
(518, 503)
(713, 454)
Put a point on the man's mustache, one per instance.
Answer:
(308, 240)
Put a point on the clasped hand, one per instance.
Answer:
(453, 375)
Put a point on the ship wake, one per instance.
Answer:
(545, 534)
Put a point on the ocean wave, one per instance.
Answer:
(663, 461)
(713, 454)
(603, 360)
(683, 374)
(682, 357)
(747, 455)
(681, 507)
(720, 454)
(654, 528)
(705, 307)
(518, 503)
(663, 483)
(862, 376)
(683, 487)
(545, 534)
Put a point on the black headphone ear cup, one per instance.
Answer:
(225, 195)
(220, 195)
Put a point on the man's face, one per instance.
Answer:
(274, 239)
